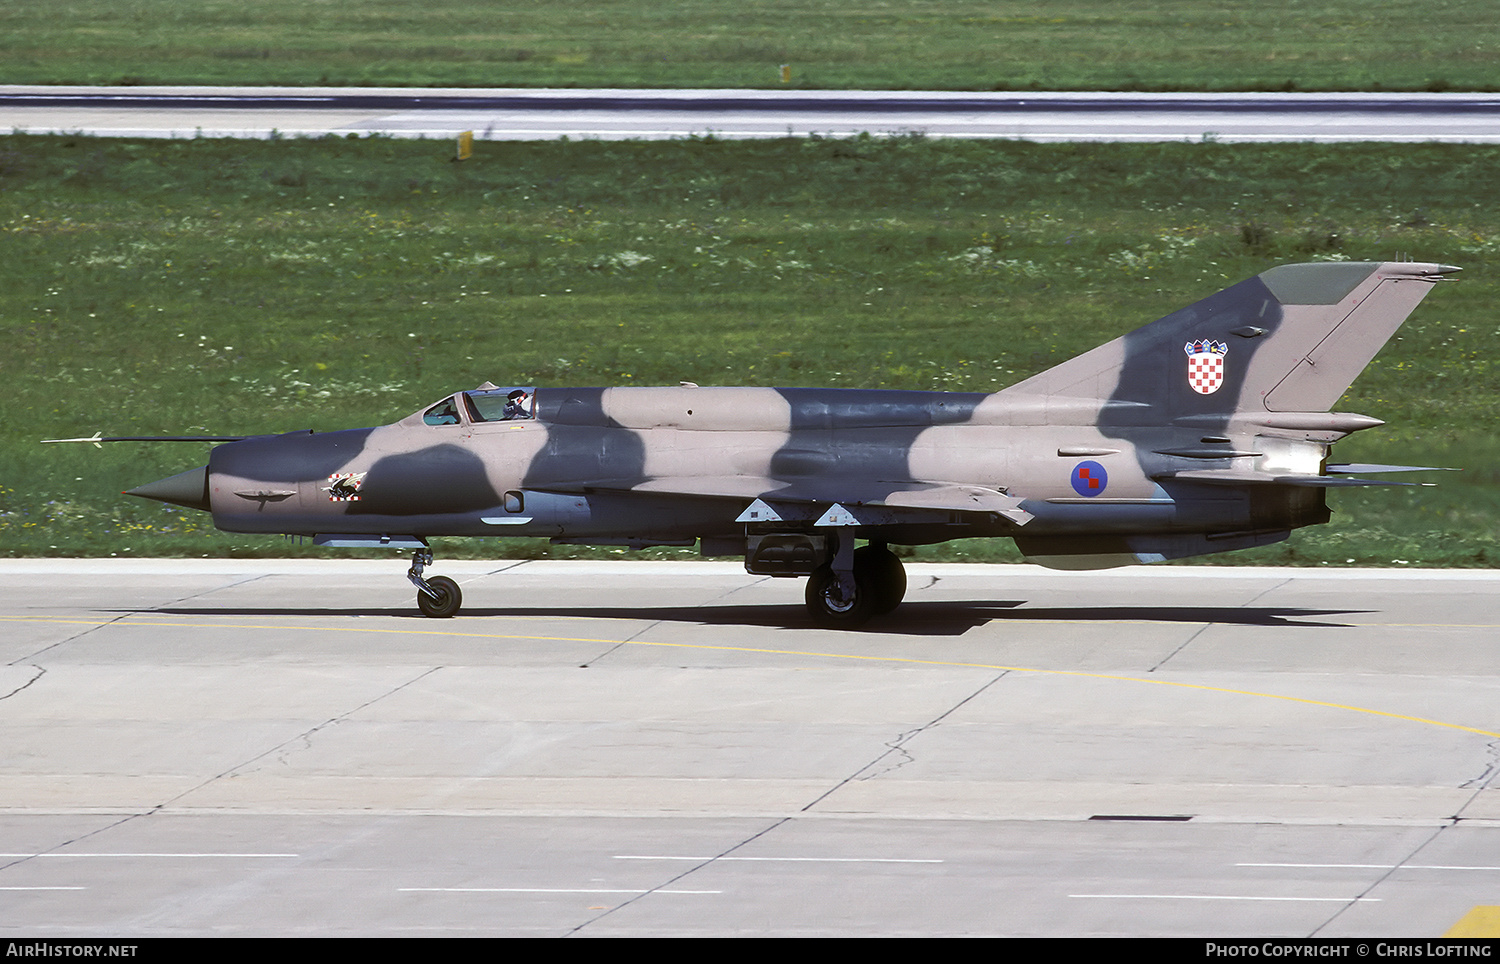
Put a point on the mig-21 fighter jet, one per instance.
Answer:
(1206, 431)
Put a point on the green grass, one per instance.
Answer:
(915, 44)
(240, 287)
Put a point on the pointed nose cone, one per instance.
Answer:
(188, 488)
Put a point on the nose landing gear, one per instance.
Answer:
(439, 596)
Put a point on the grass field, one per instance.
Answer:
(241, 287)
(882, 44)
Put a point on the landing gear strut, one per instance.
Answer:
(856, 585)
(438, 596)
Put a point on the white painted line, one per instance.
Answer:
(542, 890)
(1340, 900)
(823, 860)
(67, 854)
(1374, 866)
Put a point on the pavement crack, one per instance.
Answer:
(894, 749)
(894, 759)
(71, 841)
(735, 589)
(1370, 888)
(1488, 774)
(616, 647)
(1478, 785)
(1205, 627)
(304, 738)
(118, 617)
(896, 755)
(75, 637)
(40, 672)
(707, 861)
(511, 567)
(204, 592)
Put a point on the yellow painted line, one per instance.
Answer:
(1478, 922)
(125, 622)
(809, 654)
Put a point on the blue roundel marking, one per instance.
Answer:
(1089, 478)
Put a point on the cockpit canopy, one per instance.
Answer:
(484, 405)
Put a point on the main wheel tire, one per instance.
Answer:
(448, 598)
(881, 569)
(827, 608)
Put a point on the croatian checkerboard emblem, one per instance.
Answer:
(1089, 478)
(1205, 365)
(344, 486)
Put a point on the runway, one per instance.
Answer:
(528, 114)
(272, 747)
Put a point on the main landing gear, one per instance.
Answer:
(850, 588)
(438, 596)
(856, 585)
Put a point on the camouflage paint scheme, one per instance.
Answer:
(1205, 431)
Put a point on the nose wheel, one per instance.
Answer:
(439, 596)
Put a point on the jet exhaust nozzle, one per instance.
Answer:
(188, 489)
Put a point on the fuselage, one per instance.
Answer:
(663, 465)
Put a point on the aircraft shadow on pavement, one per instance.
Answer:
(912, 619)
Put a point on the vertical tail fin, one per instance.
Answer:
(1291, 339)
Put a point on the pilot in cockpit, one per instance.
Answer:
(518, 404)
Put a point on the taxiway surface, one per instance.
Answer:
(530, 114)
(285, 747)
